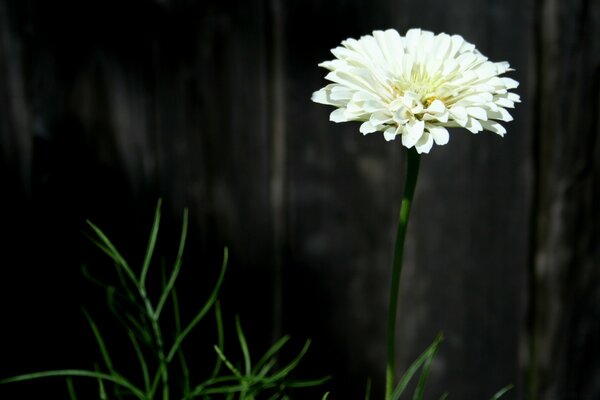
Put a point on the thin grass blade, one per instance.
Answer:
(414, 367)
(199, 389)
(265, 369)
(151, 244)
(155, 381)
(71, 389)
(101, 389)
(228, 364)
(112, 252)
(307, 382)
(165, 294)
(243, 346)
(420, 389)
(116, 379)
(220, 338)
(282, 373)
(209, 303)
(271, 352)
(501, 392)
(141, 359)
(101, 345)
(182, 361)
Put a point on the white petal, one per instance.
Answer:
(373, 106)
(443, 44)
(338, 115)
(500, 114)
(514, 97)
(367, 127)
(478, 113)
(364, 96)
(494, 127)
(504, 102)
(502, 67)
(474, 125)
(436, 107)
(389, 134)
(510, 83)
(425, 143)
(320, 96)
(440, 134)
(341, 93)
(412, 132)
(459, 114)
(478, 98)
(380, 118)
(412, 40)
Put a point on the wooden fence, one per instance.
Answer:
(107, 105)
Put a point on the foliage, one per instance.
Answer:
(163, 367)
(423, 362)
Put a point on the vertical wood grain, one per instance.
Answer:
(565, 278)
(207, 103)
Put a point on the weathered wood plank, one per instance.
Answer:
(468, 241)
(564, 297)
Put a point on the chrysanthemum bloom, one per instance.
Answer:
(417, 86)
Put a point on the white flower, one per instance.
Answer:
(416, 86)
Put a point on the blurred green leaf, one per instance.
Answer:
(429, 353)
(151, 245)
(209, 303)
(71, 389)
(118, 380)
(101, 345)
(176, 267)
(501, 392)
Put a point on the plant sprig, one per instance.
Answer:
(141, 318)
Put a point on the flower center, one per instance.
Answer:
(427, 102)
(424, 89)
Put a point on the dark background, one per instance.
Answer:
(105, 106)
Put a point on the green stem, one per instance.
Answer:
(412, 173)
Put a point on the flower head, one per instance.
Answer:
(416, 86)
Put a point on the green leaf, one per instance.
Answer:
(243, 345)
(265, 369)
(209, 303)
(220, 338)
(71, 389)
(271, 352)
(129, 322)
(368, 389)
(176, 267)
(282, 373)
(444, 396)
(101, 345)
(101, 389)
(501, 392)
(155, 381)
(116, 379)
(325, 396)
(141, 359)
(199, 389)
(307, 382)
(182, 361)
(107, 247)
(414, 367)
(228, 364)
(420, 389)
(151, 244)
